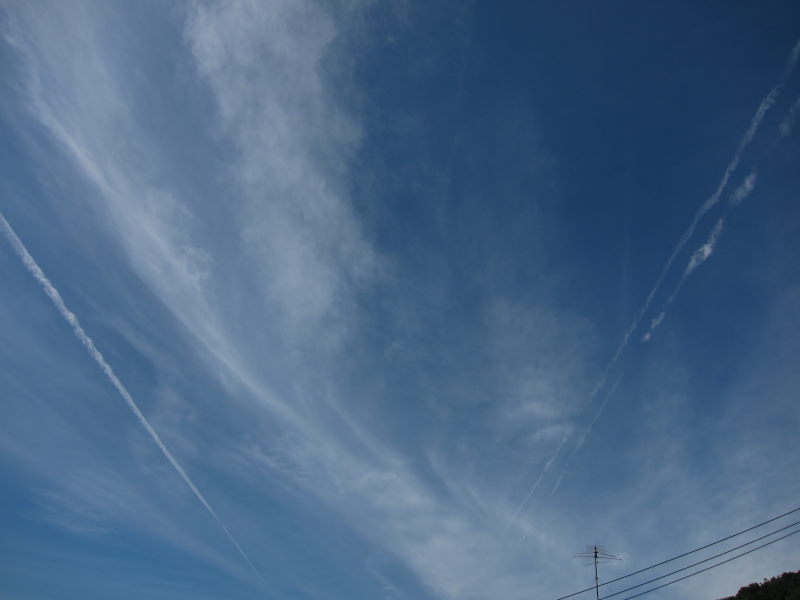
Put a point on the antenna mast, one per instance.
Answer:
(599, 555)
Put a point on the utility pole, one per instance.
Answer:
(599, 555)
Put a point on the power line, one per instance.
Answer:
(674, 558)
(722, 562)
(705, 560)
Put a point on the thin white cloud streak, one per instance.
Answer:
(383, 498)
(582, 439)
(274, 106)
(151, 223)
(701, 255)
(704, 252)
(537, 482)
(94, 353)
(766, 103)
(275, 117)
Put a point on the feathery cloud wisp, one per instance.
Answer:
(55, 297)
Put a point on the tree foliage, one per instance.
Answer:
(782, 587)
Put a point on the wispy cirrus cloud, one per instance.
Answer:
(292, 147)
(263, 273)
(297, 243)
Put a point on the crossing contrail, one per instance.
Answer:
(87, 342)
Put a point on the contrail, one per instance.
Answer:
(763, 107)
(87, 342)
(583, 437)
(701, 255)
(536, 483)
(704, 252)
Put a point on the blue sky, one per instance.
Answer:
(323, 300)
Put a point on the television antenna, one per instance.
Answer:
(599, 555)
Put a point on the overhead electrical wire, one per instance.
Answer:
(722, 562)
(705, 560)
(674, 558)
